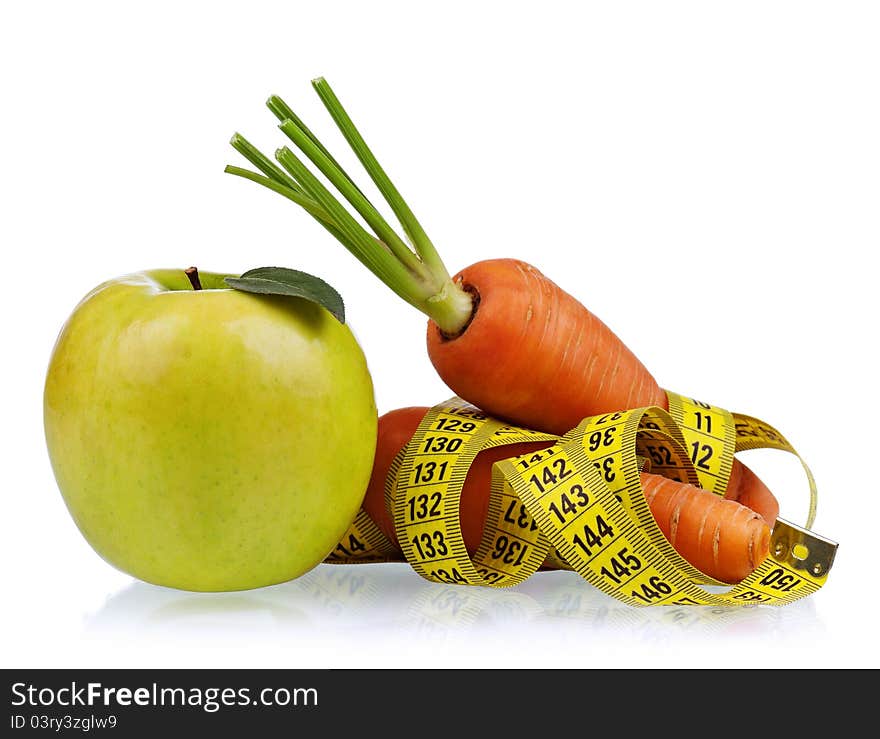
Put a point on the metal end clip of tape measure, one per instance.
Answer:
(578, 505)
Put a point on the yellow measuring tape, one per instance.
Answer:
(578, 505)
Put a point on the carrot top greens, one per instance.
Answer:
(412, 268)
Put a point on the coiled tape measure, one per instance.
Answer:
(578, 505)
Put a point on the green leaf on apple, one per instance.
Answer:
(291, 282)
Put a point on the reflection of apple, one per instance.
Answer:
(208, 439)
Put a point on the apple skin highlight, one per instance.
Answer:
(211, 439)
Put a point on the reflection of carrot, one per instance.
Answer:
(720, 537)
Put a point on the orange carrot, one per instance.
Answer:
(520, 312)
(721, 538)
(500, 334)
(745, 487)
(534, 355)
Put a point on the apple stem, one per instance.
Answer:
(193, 274)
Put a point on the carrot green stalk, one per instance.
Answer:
(416, 273)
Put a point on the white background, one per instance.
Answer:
(703, 176)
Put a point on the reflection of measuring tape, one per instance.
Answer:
(578, 505)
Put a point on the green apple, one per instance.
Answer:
(208, 439)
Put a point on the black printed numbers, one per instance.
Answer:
(592, 536)
(621, 566)
(704, 422)
(551, 474)
(429, 471)
(601, 438)
(510, 551)
(570, 503)
(701, 455)
(652, 590)
(446, 444)
(430, 545)
(456, 425)
(425, 506)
